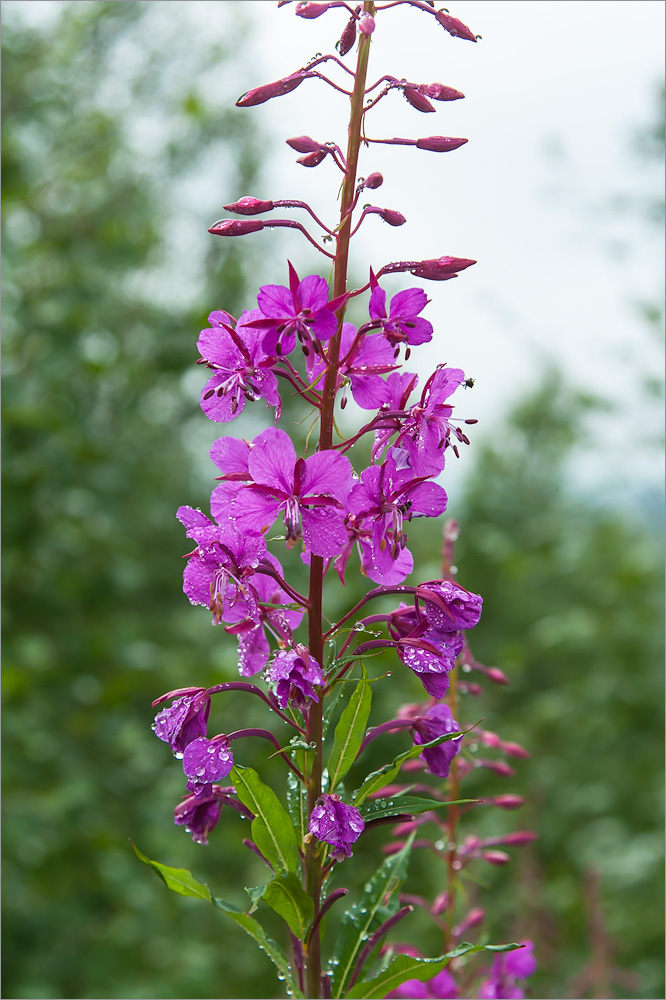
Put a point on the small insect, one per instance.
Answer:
(469, 383)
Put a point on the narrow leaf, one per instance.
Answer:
(297, 797)
(286, 896)
(407, 805)
(364, 918)
(272, 830)
(179, 880)
(404, 967)
(350, 731)
(266, 944)
(377, 779)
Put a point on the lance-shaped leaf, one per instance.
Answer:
(377, 779)
(297, 797)
(366, 916)
(286, 896)
(272, 830)
(349, 732)
(179, 880)
(404, 967)
(404, 805)
(266, 944)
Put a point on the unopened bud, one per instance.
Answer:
(373, 181)
(440, 904)
(313, 159)
(391, 216)
(303, 144)
(259, 95)
(439, 143)
(249, 206)
(438, 92)
(366, 24)
(515, 750)
(518, 838)
(469, 687)
(473, 919)
(311, 9)
(417, 100)
(498, 766)
(347, 38)
(496, 857)
(441, 268)
(497, 675)
(235, 227)
(508, 801)
(454, 26)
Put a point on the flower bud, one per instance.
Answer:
(235, 227)
(498, 766)
(249, 206)
(373, 180)
(496, 857)
(497, 675)
(313, 159)
(454, 26)
(417, 100)
(508, 801)
(518, 838)
(438, 92)
(366, 24)
(440, 904)
(259, 95)
(444, 265)
(439, 143)
(303, 144)
(311, 9)
(473, 919)
(347, 38)
(391, 216)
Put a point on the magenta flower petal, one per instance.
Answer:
(437, 721)
(271, 462)
(205, 761)
(327, 473)
(336, 824)
(324, 532)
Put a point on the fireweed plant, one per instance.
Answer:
(311, 673)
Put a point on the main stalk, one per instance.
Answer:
(313, 982)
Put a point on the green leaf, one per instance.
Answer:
(179, 880)
(404, 967)
(286, 896)
(386, 774)
(365, 916)
(411, 805)
(349, 732)
(297, 797)
(272, 830)
(266, 944)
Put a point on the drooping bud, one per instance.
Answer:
(366, 24)
(439, 143)
(441, 268)
(259, 95)
(313, 159)
(454, 26)
(303, 144)
(417, 100)
(347, 38)
(310, 9)
(249, 206)
(235, 227)
(438, 92)
(391, 216)
(373, 181)
(336, 823)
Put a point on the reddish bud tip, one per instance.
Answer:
(497, 675)
(519, 838)
(438, 92)
(249, 206)
(417, 100)
(235, 227)
(473, 919)
(347, 38)
(311, 9)
(439, 143)
(303, 144)
(515, 750)
(391, 216)
(441, 268)
(496, 857)
(373, 181)
(259, 95)
(508, 801)
(313, 159)
(454, 26)
(440, 904)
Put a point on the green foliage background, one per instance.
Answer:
(103, 438)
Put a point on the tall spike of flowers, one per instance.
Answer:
(297, 336)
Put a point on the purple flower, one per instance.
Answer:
(448, 606)
(241, 367)
(302, 310)
(440, 987)
(399, 387)
(359, 533)
(432, 657)
(336, 824)
(292, 674)
(506, 969)
(426, 432)
(362, 363)
(437, 721)
(205, 761)
(199, 815)
(217, 571)
(311, 493)
(184, 720)
(402, 324)
(386, 496)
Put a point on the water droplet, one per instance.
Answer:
(210, 749)
(457, 865)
